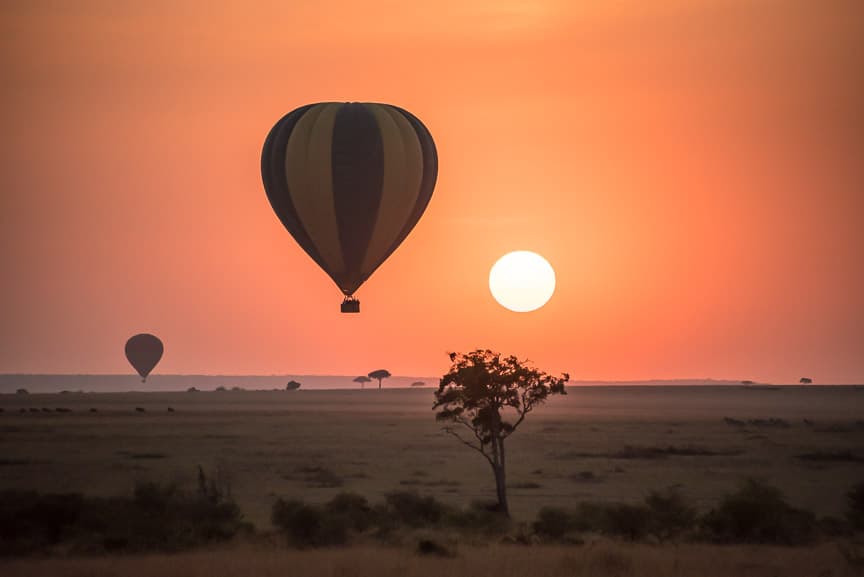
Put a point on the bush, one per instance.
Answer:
(354, 508)
(670, 514)
(411, 509)
(855, 514)
(482, 516)
(629, 521)
(758, 513)
(156, 518)
(433, 548)
(309, 526)
(553, 523)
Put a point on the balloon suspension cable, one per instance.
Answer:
(350, 304)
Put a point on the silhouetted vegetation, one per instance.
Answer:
(434, 548)
(831, 457)
(665, 515)
(156, 518)
(481, 391)
(380, 375)
(670, 514)
(362, 379)
(805, 380)
(22, 392)
(640, 452)
(855, 500)
(771, 423)
(292, 386)
(758, 513)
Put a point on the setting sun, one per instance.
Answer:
(522, 281)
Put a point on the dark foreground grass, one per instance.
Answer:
(596, 559)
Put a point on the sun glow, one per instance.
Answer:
(522, 281)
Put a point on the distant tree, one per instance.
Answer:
(292, 386)
(221, 389)
(418, 384)
(805, 380)
(362, 379)
(380, 374)
(192, 390)
(746, 382)
(490, 395)
(22, 392)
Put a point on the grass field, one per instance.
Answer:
(598, 443)
(601, 560)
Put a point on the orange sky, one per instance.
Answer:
(692, 169)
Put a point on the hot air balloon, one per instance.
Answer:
(143, 352)
(349, 181)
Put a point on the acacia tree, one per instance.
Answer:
(380, 374)
(362, 379)
(489, 395)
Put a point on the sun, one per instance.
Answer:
(522, 281)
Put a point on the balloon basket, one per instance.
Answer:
(350, 305)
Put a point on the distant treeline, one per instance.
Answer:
(124, 383)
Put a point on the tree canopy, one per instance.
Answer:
(489, 395)
(380, 374)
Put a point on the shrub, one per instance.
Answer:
(758, 513)
(433, 548)
(156, 518)
(409, 508)
(354, 508)
(670, 514)
(482, 516)
(629, 521)
(309, 526)
(553, 523)
(30, 521)
(855, 499)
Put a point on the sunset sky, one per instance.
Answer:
(693, 170)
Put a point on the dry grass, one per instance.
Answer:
(313, 444)
(601, 559)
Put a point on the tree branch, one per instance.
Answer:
(477, 448)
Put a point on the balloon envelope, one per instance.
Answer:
(349, 181)
(143, 352)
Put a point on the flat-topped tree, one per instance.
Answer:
(489, 395)
(805, 380)
(380, 374)
(292, 386)
(362, 379)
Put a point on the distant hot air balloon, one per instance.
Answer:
(143, 352)
(349, 181)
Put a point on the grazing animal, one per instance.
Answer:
(139, 410)
(170, 410)
(93, 410)
(46, 410)
(34, 410)
(22, 410)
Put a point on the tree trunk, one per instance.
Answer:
(379, 384)
(499, 469)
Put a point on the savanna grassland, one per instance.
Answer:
(610, 444)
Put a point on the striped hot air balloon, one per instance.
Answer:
(349, 181)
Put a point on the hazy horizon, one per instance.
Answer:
(111, 382)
